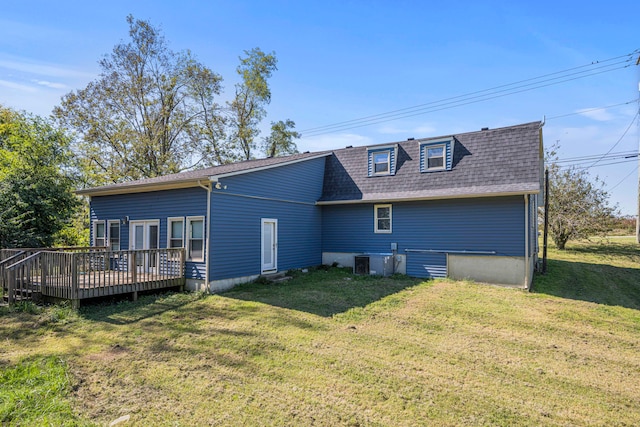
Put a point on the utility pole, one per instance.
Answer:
(638, 216)
(546, 220)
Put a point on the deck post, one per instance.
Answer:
(133, 269)
(11, 276)
(44, 270)
(74, 277)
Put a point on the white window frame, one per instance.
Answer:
(95, 233)
(170, 222)
(426, 149)
(376, 229)
(374, 163)
(108, 233)
(188, 238)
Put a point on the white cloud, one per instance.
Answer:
(332, 142)
(52, 85)
(17, 86)
(42, 69)
(601, 115)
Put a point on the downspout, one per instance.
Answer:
(206, 244)
(526, 241)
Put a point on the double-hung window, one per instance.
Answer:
(382, 218)
(381, 163)
(176, 232)
(435, 157)
(99, 234)
(114, 235)
(195, 238)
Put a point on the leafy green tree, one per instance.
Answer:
(280, 141)
(578, 207)
(151, 112)
(36, 181)
(248, 107)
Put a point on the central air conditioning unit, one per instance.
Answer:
(374, 264)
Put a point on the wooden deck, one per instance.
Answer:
(77, 276)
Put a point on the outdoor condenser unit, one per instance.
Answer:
(378, 264)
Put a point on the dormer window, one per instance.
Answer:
(381, 163)
(436, 155)
(382, 160)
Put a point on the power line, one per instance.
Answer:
(607, 164)
(478, 96)
(622, 180)
(620, 139)
(443, 106)
(588, 110)
(595, 156)
(415, 107)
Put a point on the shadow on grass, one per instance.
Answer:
(323, 292)
(127, 312)
(599, 283)
(608, 248)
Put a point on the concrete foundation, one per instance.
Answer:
(499, 270)
(347, 259)
(222, 285)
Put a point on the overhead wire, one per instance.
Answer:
(563, 76)
(618, 142)
(588, 110)
(623, 179)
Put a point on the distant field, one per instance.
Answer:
(327, 348)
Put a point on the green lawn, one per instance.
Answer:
(327, 348)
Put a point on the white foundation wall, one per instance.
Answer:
(347, 259)
(491, 269)
(195, 285)
(222, 285)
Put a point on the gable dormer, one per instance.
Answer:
(382, 160)
(436, 155)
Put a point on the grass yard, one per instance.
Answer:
(328, 348)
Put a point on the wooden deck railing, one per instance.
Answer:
(88, 274)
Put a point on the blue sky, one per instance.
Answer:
(343, 60)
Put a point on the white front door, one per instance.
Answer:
(269, 245)
(145, 235)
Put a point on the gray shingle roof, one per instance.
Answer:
(498, 161)
(199, 174)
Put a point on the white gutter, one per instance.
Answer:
(206, 245)
(421, 198)
(526, 241)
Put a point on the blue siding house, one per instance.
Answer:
(462, 206)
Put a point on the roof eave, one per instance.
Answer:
(140, 188)
(422, 198)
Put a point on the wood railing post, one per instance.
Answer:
(133, 267)
(44, 260)
(11, 276)
(74, 276)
